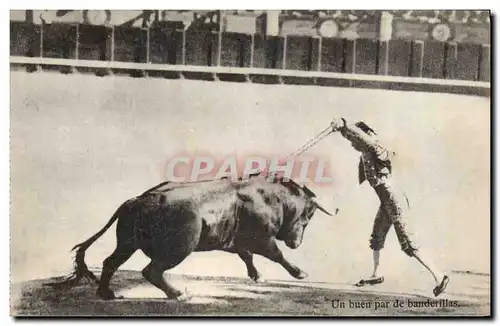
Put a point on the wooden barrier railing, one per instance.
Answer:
(345, 59)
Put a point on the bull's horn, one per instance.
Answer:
(324, 210)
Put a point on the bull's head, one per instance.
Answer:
(297, 217)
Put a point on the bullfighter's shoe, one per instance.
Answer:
(442, 286)
(370, 281)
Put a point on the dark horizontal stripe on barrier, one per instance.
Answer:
(267, 76)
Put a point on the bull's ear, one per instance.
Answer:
(294, 190)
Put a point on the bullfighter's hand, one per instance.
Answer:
(337, 124)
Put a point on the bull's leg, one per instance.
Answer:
(273, 253)
(169, 248)
(110, 265)
(154, 274)
(252, 271)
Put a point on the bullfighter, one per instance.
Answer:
(375, 166)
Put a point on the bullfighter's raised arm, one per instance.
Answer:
(360, 140)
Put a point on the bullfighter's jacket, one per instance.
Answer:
(375, 161)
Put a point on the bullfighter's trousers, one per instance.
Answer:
(393, 210)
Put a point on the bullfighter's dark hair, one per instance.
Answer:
(363, 126)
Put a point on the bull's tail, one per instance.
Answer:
(81, 271)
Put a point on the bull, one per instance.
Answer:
(170, 221)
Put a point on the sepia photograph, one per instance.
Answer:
(250, 163)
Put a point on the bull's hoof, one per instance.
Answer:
(257, 280)
(107, 294)
(183, 297)
(256, 277)
(300, 275)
